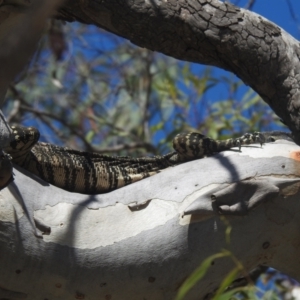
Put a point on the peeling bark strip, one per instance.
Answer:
(211, 32)
(241, 197)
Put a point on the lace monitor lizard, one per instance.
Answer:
(92, 173)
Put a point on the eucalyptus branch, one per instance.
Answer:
(250, 4)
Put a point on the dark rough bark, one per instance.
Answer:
(263, 55)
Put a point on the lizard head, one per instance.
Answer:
(22, 140)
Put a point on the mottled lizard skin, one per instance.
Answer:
(92, 173)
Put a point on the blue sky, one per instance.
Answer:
(277, 11)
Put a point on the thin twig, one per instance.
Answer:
(15, 110)
(250, 4)
(43, 115)
(131, 146)
(25, 106)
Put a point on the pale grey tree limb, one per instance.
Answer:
(141, 242)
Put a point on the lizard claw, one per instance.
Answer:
(259, 137)
(250, 138)
(239, 144)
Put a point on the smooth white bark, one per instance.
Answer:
(136, 242)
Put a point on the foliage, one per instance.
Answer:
(87, 89)
(238, 284)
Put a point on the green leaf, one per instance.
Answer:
(249, 291)
(89, 136)
(227, 281)
(199, 273)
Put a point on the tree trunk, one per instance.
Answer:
(143, 240)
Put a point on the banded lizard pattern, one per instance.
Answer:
(92, 173)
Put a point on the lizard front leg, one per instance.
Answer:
(195, 145)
